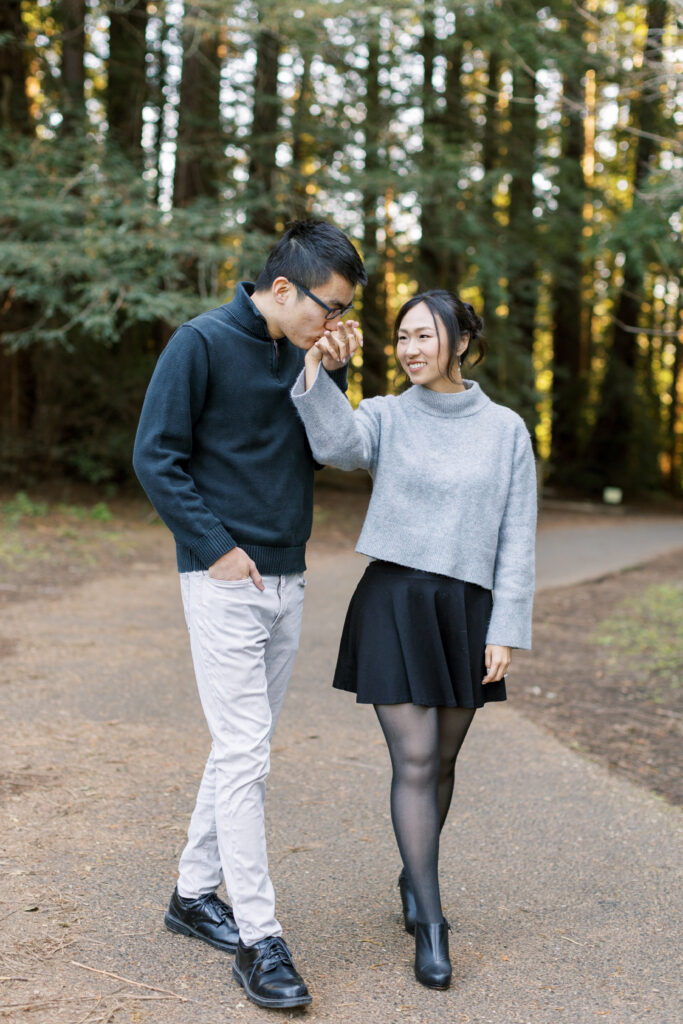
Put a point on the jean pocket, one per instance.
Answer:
(230, 583)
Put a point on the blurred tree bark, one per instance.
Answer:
(444, 240)
(675, 425)
(454, 123)
(127, 76)
(14, 109)
(521, 235)
(430, 252)
(18, 385)
(156, 99)
(72, 16)
(490, 281)
(570, 363)
(619, 454)
(200, 145)
(262, 203)
(374, 314)
(491, 136)
(303, 143)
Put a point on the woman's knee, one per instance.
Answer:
(416, 766)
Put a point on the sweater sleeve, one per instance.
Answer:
(513, 581)
(338, 436)
(163, 445)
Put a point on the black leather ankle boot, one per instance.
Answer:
(432, 966)
(408, 901)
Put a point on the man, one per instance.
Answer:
(224, 459)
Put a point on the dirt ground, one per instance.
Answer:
(78, 791)
(626, 712)
(625, 715)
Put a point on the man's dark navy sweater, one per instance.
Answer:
(220, 449)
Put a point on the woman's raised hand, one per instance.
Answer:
(334, 349)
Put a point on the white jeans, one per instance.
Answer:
(244, 643)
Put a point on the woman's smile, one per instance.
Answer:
(422, 349)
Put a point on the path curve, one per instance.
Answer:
(559, 880)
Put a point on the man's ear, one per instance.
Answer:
(280, 289)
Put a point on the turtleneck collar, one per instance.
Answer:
(439, 403)
(243, 310)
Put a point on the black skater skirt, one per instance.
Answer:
(414, 637)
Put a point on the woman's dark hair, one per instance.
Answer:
(308, 252)
(458, 318)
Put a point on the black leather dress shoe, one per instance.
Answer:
(206, 918)
(432, 965)
(408, 901)
(266, 973)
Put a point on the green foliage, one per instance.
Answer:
(21, 506)
(97, 266)
(94, 276)
(101, 512)
(91, 254)
(649, 230)
(643, 634)
(22, 509)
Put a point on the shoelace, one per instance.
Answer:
(224, 912)
(275, 952)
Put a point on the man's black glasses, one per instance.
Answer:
(331, 313)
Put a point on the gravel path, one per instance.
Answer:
(561, 882)
(570, 555)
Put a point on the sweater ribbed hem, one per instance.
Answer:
(269, 561)
(212, 546)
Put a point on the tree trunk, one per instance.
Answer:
(675, 425)
(373, 317)
(262, 200)
(430, 254)
(199, 152)
(157, 100)
(492, 291)
(490, 140)
(621, 452)
(17, 372)
(454, 135)
(303, 145)
(14, 111)
(521, 244)
(127, 76)
(569, 348)
(73, 69)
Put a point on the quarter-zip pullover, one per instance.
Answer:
(220, 449)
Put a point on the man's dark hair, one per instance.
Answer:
(308, 252)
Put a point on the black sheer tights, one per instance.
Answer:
(423, 746)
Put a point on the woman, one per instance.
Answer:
(451, 518)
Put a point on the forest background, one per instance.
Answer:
(527, 155)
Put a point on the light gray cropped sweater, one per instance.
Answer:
(454, 487)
